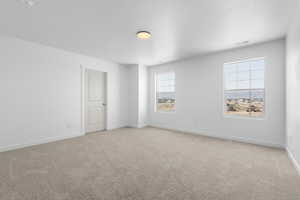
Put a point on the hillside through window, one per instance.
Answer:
(244, 89)
(165, 92)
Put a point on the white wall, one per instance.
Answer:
(199, 96)
(138, 95)
(41, 93)
(133, 95)
(293, 87)
(143, 95)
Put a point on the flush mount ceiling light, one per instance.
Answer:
(143, 35)
(29, 3)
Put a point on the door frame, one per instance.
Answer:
(83, 97)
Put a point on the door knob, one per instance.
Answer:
(104, 104)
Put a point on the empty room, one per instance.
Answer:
(150, 100)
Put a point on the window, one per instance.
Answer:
(244, 89)
(165, 92)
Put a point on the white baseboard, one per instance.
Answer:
(232, 138)
(115, 128)
(37, 142)
(142, 125)
(137, 126)
(294, 161)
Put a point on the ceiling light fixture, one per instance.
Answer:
(143, 35)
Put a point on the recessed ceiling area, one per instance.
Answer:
(107, 28)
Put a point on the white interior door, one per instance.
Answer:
(95, 87)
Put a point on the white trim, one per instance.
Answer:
(46, 140)
(230, 138)
(294, 161)
(37, 142)
(136, 126)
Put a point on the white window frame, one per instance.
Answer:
(155, 92)
(265, 77)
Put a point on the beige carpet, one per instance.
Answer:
(147, 164)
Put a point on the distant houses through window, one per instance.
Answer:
(244, 89)
(165, 92)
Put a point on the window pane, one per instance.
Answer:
(243, 75)
(258, 65)
(243, 84)
(244, 88)
(230, 85)
(237, 102)
(257, 74)
(165, 92)
(257, 84)
(231, 76)
(257, 102)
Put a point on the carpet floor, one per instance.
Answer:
(147, 164)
